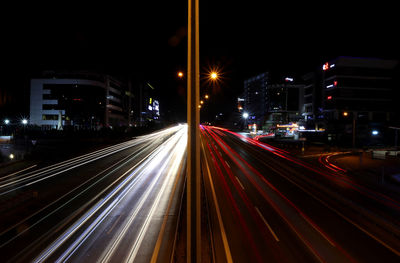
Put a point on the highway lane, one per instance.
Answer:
(98, 198)
(267, 205)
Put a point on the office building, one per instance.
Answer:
(82, 100)
(284, 101)
(255, 98)
(357, 96)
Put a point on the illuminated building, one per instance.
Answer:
(255, 98)
(359, 92)
(82, 100)
(284, 100)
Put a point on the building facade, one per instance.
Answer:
(284, 101)
(357, 97)
(81, 100)
(255, 98)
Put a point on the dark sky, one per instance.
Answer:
(148, 41)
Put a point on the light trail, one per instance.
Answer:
(39, 175)
(297, 227)
(333, 176)
(150, 174)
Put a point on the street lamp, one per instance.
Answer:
(24, 121)
(180, 74)
(214, 75)
(6, 121)
(206, 96)
(245, 115)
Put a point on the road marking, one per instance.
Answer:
(316, 229)
(221, 224)
(266, 223)
(342, 215)
(241, 185)
(227, 164)
(164, 224)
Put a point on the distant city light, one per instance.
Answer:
(180, 74)
(329, 97)
(201, 102)
(213, 75)
(206, 96)
(289, 79)
(345, 113)
(325, 66)
(11, 156)
(24, 121)
(375, 132)
(245, 115)
(6, 121)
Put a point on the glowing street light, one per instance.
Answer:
(24, 121)
(206, 96)
(245, 115)
(345, 114)
(214, 75)
(6, 121)
(201, 102)
(11, 156)
(180, 74)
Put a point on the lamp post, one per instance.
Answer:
(245, 116)
(193, 214)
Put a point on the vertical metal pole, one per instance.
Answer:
(354, 130)
(193, 119)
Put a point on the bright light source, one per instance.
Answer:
(325, 66)
(289, 79)
(245, 115)
(6, 121)
(24, 121)
(375, 132)
(213, 75)
(329, 97)
(199, 106)
(345, 113)
(206, 96)
(201, 102)
(11, 156)
(180, 74)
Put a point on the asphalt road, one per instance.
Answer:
(268, 206)
(117, 204)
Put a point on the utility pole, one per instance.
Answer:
(354, 129)
(193, 118)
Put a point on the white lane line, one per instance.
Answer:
(241, 185)
(221, 224)
(266, 223)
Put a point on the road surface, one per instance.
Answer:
(117, 204)
(267, 206)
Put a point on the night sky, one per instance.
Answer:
(147, 42)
